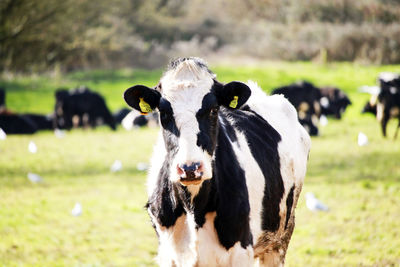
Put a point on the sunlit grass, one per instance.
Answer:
(360, 185)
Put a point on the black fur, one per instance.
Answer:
(17, 124)
(337, 102)
(263, 141)
(42, 122)
(161, 204)
(289, 204)
(2, 98)
(207, 118)
(79, 102)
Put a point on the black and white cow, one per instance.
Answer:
(384, 102)
(333, 102)
(227, 169)
(388, 104)
(81, 107)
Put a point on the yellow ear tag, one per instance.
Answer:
(144, 106)
(234, 102)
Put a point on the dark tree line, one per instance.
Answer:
(75, 34)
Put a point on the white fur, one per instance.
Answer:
(185, 87)
(156, 162)
(388, 76)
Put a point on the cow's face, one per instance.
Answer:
(188, 99)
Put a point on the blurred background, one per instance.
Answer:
(72, 188)
(82, 34)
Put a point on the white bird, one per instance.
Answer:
(32, 147)
(34, 178)
(77, 210)
(3, 135)
(314, 204)
(59, 133)
(362, 139)
(141, 166)
(323, 120)
(116, 166)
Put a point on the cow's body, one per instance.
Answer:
(385, 103)
(237, 208)
(17, 124)
(81, 107)
(333, 102)
(312, 102)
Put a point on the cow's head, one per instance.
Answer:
(188, 99)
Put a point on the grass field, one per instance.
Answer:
(361, 185)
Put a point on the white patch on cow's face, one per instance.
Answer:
(185, 87)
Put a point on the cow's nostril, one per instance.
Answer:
(190, 168)
(190, 171)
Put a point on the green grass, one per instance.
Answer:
(361, 185)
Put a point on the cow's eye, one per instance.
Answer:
(214, 112)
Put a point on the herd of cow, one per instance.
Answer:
(81, 107)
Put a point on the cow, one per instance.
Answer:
(81, 107)
(120, 114)
(28, 123)
(388, 104)
(17, 124)
(384, 102)
(333, 102)
(305, 97)
(226, 171)
(42, 122)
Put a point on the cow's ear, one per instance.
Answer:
(233, 95)
(142, 98)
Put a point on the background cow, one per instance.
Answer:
(81, 107)
(311, 102)
(17, 124)
(388, 105)
(384, 103)
(333, 102)
(28, 123)
(227, 169)
(135, 119)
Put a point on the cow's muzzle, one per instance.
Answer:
(190, 174)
